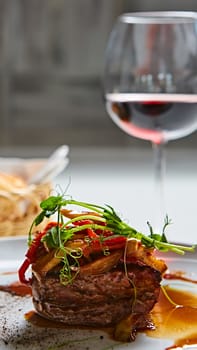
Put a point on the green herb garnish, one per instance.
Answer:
(65, 230)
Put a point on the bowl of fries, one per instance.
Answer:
(20, 197)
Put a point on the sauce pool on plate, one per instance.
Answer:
(175, 321)
(174, 315)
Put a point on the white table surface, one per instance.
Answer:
(123, 178)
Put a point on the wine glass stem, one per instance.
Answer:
(159, 198)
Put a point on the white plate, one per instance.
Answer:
(17, 333)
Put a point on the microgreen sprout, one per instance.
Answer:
(105, 219)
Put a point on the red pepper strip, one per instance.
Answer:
(115, 243)
(93, 247)
(83, 222)
(30, 257)
(31, 253)
(34, 246)
(22, 270)
(91, 233)
(96, 246)
(50, 225)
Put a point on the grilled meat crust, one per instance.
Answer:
(98, 300)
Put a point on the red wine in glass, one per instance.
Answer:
(150, 82)
(154, 117)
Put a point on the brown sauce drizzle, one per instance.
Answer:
(178, 275)
(17, 288)
(34, 318)
(7, 273)
(178, 323)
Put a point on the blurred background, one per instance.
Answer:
(51, 69)
(51, 66)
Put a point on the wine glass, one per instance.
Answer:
(150, 81)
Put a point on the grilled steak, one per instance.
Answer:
(102, 294)
(97, 300)
(92, 272)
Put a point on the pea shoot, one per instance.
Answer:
(104, 219)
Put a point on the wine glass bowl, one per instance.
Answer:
(150, 78)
